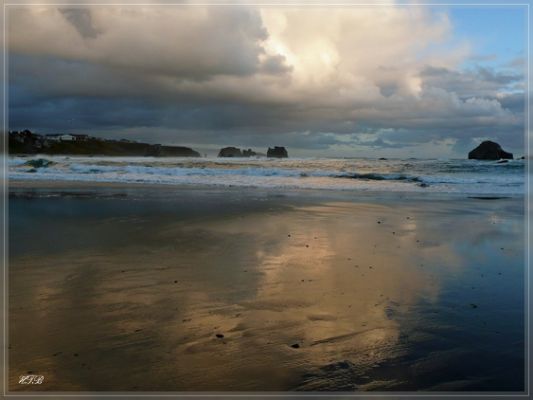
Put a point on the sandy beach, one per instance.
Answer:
(123, 288)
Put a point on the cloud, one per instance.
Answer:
(319, 77)
(179, 42)
(81, 20)
(481, 81)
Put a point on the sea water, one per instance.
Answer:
(406, 175)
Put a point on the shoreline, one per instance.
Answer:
(17, 186)
(357, 175)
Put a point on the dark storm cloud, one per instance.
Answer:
(382, 144)
(514, 102)
(81, 20)
(69, 95)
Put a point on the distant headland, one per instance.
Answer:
(27, 142)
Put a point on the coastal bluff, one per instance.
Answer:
(489, 150)
(26, 142)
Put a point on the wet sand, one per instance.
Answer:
(124, 288)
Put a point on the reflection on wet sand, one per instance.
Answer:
(325, 295)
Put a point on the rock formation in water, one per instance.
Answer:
(236, 152)
(489, 151)
(248, 153)
(277, 152)
(230, 152)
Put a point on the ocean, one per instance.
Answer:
(398, 175)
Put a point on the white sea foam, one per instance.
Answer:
(460, 176)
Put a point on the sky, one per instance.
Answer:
(341, 81)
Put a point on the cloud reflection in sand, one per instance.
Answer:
(356, 286)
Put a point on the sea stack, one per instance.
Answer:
(230, 152)
(277, 152)
(248, 153)
(489, 151)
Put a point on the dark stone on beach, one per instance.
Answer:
(295, 346)
(382, 158)
(219, 335)
(489, 151)
(502, 161)
(277, 152)
(230, 152)
(175, 281)
(423, 185)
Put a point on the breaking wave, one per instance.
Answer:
(463, 176)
